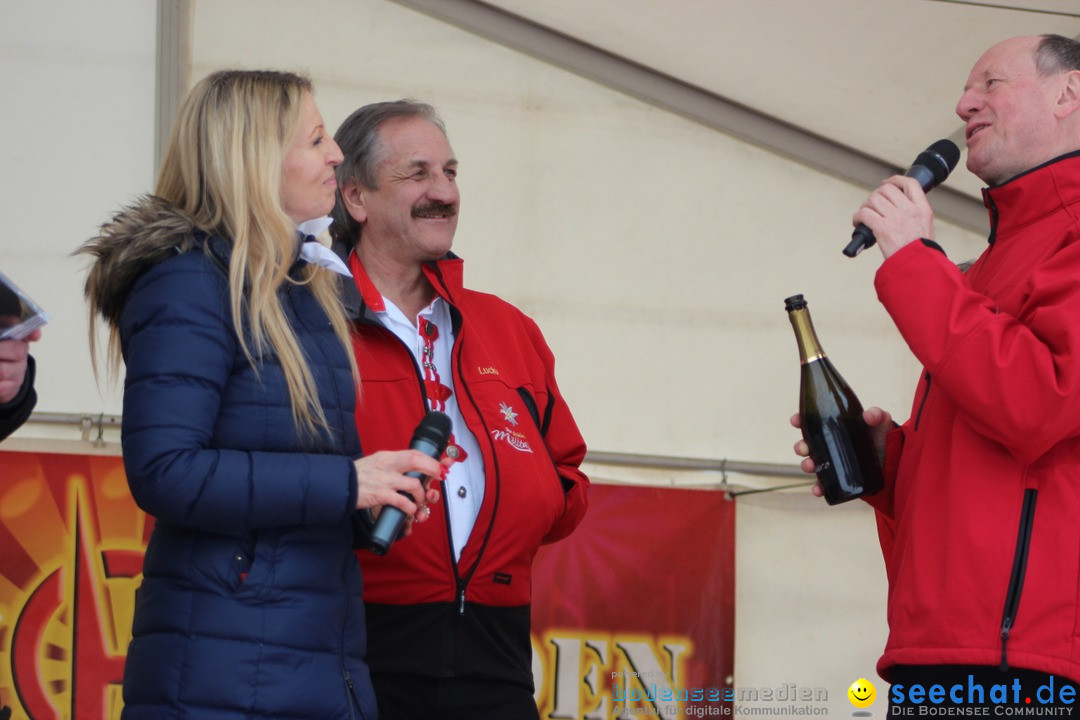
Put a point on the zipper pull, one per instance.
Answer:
(352, 694)
(461, 601)
(1006, 629)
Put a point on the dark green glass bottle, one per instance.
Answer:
(845, 460)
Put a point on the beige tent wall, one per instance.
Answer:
(655, 254)
(76, 141)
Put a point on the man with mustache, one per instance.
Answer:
(979, 519)
(448, 607)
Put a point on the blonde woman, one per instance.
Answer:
(238, 429)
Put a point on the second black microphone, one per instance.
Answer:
(430, 438)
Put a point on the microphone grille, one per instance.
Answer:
(948, 152)
(435, 427)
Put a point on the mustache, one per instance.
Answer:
(434, 210)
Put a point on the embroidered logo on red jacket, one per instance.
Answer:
(511, 437)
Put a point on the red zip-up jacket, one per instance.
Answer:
(980, 517)
(428, 614)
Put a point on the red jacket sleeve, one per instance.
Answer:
(1016, 377)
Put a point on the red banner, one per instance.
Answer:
(632, 615)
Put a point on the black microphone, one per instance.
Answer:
(430, 438)
(931, 168)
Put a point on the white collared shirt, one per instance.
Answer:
(315, 252)
(463, 489)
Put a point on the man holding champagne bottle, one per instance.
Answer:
(979, 519)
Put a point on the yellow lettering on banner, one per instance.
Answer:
(576, 673)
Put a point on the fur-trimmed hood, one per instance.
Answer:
(134, 240)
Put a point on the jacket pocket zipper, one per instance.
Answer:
(926, 394)
(1016, 580)
(530, 405)
(352, 694)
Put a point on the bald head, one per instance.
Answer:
(1019, 106)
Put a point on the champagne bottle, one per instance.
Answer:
(845, 460)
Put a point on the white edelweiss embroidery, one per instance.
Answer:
(508, 413)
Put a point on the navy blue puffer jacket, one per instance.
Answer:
(250, 605)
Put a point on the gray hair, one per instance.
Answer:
(360, 143)
(1056, 54)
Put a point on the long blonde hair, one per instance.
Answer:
(223, 167)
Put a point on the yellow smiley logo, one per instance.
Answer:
(862, 693)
